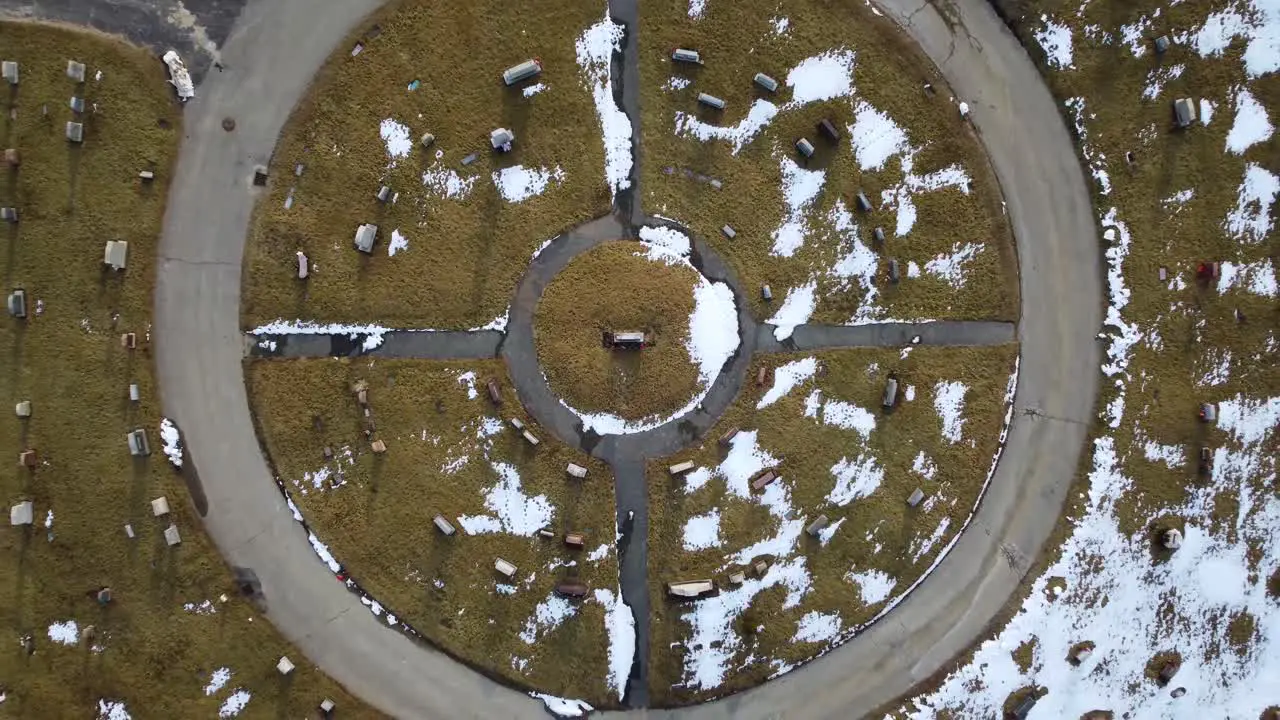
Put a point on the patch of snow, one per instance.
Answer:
(1258, 24)
(234, 703)
(924, 466)
(795, 310)
(1206, 111)
(65, 633)
(780, 25)
(469, 380)
(874, 137)
(901, 195)
(1250, 221)
(799, 189)
(855, 479)
(1157, 78)
(921, 549)
(828, 532)
(874, 586)
(1056, 41)
(595, 49)
(702, 531)
(372, 333)
(398, 243)
(112, 709)
(815, 627)
(564, 707)
(1171, 455)
(322, 551)
(519, 183)
(948, 400)
(219, 678)
(840, 413)
(548, 615)
(786, 377)
(677, 82)
(396, 137)
(517, 513)
(910, 394)
(534, 89)
(666, 241)
(950, 268)
(1258, 277)
(599, 553)
(202, 608)
(696, 8)
(1251, 125)
(447, 183)
(1180, 198)
(1095, 160)
(621, 626)
(172, 441)
(826, 76)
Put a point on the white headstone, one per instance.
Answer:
(171, 535)
(285, 666)
(160, 506)
(22, 514)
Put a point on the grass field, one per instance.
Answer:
(838, 454)
(584, 301)
(1188, 197)
(772, 197)
(143, 650)
(449, 452)
(433, 67)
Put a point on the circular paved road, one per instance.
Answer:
(271, 55)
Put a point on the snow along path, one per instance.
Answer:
(199, 367)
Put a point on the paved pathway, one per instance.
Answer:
(271, 55)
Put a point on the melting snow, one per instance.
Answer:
(534, 89)
(517, 513)
(396, 136)
(595, 48)
(841, 414)
(1250, 221)
(821, 77)
(702, 531)
(817, 627)
(519, 183)
(1056, 41)
(1258, 278)
(1251, 125)
(548, 615)
(786, 377)
(234, 703)
(398, 243)
(795, 310)
(172, 442)
(65, 633)
(949, 402)
(799, 189)
(621, 626)
(950, 268)
(855, 479)
(219, 678)
(372, 333)
(875, 137)
(873, 585)
(110, 709)
(564, 707)
(446, 182)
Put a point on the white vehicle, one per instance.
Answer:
(179, 77)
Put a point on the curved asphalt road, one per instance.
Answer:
(270, 58)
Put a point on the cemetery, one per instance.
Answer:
(846, 504)
(119, 597)
(584, 301)
(424, 109)
(832, 163)
(494, 549)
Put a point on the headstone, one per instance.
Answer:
(23, 409)
(727, 438)
(505, 568)
(116, 254)
(766, 292)
(517, 423)
(129, 341)
(75, 132)
(22, 514)
(138, 444)
(260, 175)
(523, 71)
(737, 577)
(28, 459)
(890, 394)
(444, 526)
(546, 534)
(711, 101)
(128, 531)
(878, 236)
(384, 194)
(1163, 273)
(864, 205)
(9, 214)
(761, 567)
(160, 506)
(530, 438)
(303, 269)
(828, 130)
(378, 446)
(76, 104)
(147, 176)
(285, 666)
(817, 526)
(804, 147)
(765, 82)
(680, 468)
(365, 236)
(1184, 112)
(427, 140)
(1162, 44)
(12, 158)
(576, 471)
(104, 596)
(171, 536)
(729, 232)
(916, 496)
(9, 71)
(75, 70)
(686, 56)
(501, 139)
(327, 706)
(470, 159)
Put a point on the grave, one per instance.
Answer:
(523, 71)
(327, 706)
(495, 395)
(818, 525)
(75, 70)
(444, 526)
(804, 147)
(501, 139)
(427, 140)
(678, 55)
(530, 438)
(727, 438)
(576, 471)
(138, 444)
(378, 446)
(761, 567)
(729, 232)
(894, 274)
(890, 394)
(303, 266)
(1184, 112)
(76, 104)
(691, 589)
(12, 158)
(171, 536)
(129, 341)
(828, 130)
(75, 132)
(1080, 653)
(285, 666)
(680, 468)
(864, 205)
(1208, 413)
(115, 254)
(711, 101)
(146, 176)
(571, 588)
(766, 293)
(916, 496)
(1171, 539)
(28, 459)
(625, 340)
(22, 514)
(575, 540)
(9, 214)
(365, 236)
(23, 409)
(9, 71)
(764, 479)
(160, 506)
(765, 82)
(135, 394)
(737, 577)
(1162, 44)
(504, 568)
(878, 236)
(384, 194)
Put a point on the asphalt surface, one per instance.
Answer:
(271, 55)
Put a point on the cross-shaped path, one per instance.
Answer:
(270, 57)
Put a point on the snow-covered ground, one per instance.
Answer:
(713, 332)
(1104, 587)
(172, 441)
(595, 49)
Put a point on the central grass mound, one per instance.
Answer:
(619, 288)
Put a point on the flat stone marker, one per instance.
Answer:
(171, 536)
(916, 497)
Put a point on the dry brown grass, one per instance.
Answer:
(584, 301)
(879, 533)
(150, 653)
(890, 74)
(464, 255)
(378, 523)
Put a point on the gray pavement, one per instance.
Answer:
(270, 56)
